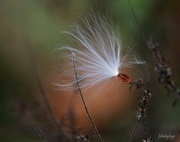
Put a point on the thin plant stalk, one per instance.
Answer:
(145, 131)
(134, 130)
(39, 79)
(83, 101)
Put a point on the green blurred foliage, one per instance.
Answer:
(44, 21)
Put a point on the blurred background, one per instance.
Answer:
(30, 30)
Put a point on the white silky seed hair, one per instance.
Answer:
(97, 53)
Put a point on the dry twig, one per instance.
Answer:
(83, 101)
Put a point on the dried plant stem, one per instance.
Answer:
(145, 131)
(164, 71)
(83, 101)
(134, 130)
(137, 124)
(136, 20)
(38, 76)
(142, 107)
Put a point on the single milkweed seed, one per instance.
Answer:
(99, 54)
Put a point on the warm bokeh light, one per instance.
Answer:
(104, 103)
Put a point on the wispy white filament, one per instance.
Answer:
(98, 54)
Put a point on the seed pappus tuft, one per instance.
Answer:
(97, 51)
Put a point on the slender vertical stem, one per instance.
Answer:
(145, 131)
(135, 17)
(39, 79)
(134, 130)
(84, 103)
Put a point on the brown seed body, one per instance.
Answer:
(124, 78)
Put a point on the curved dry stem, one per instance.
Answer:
(134, 130)
(83, 101)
